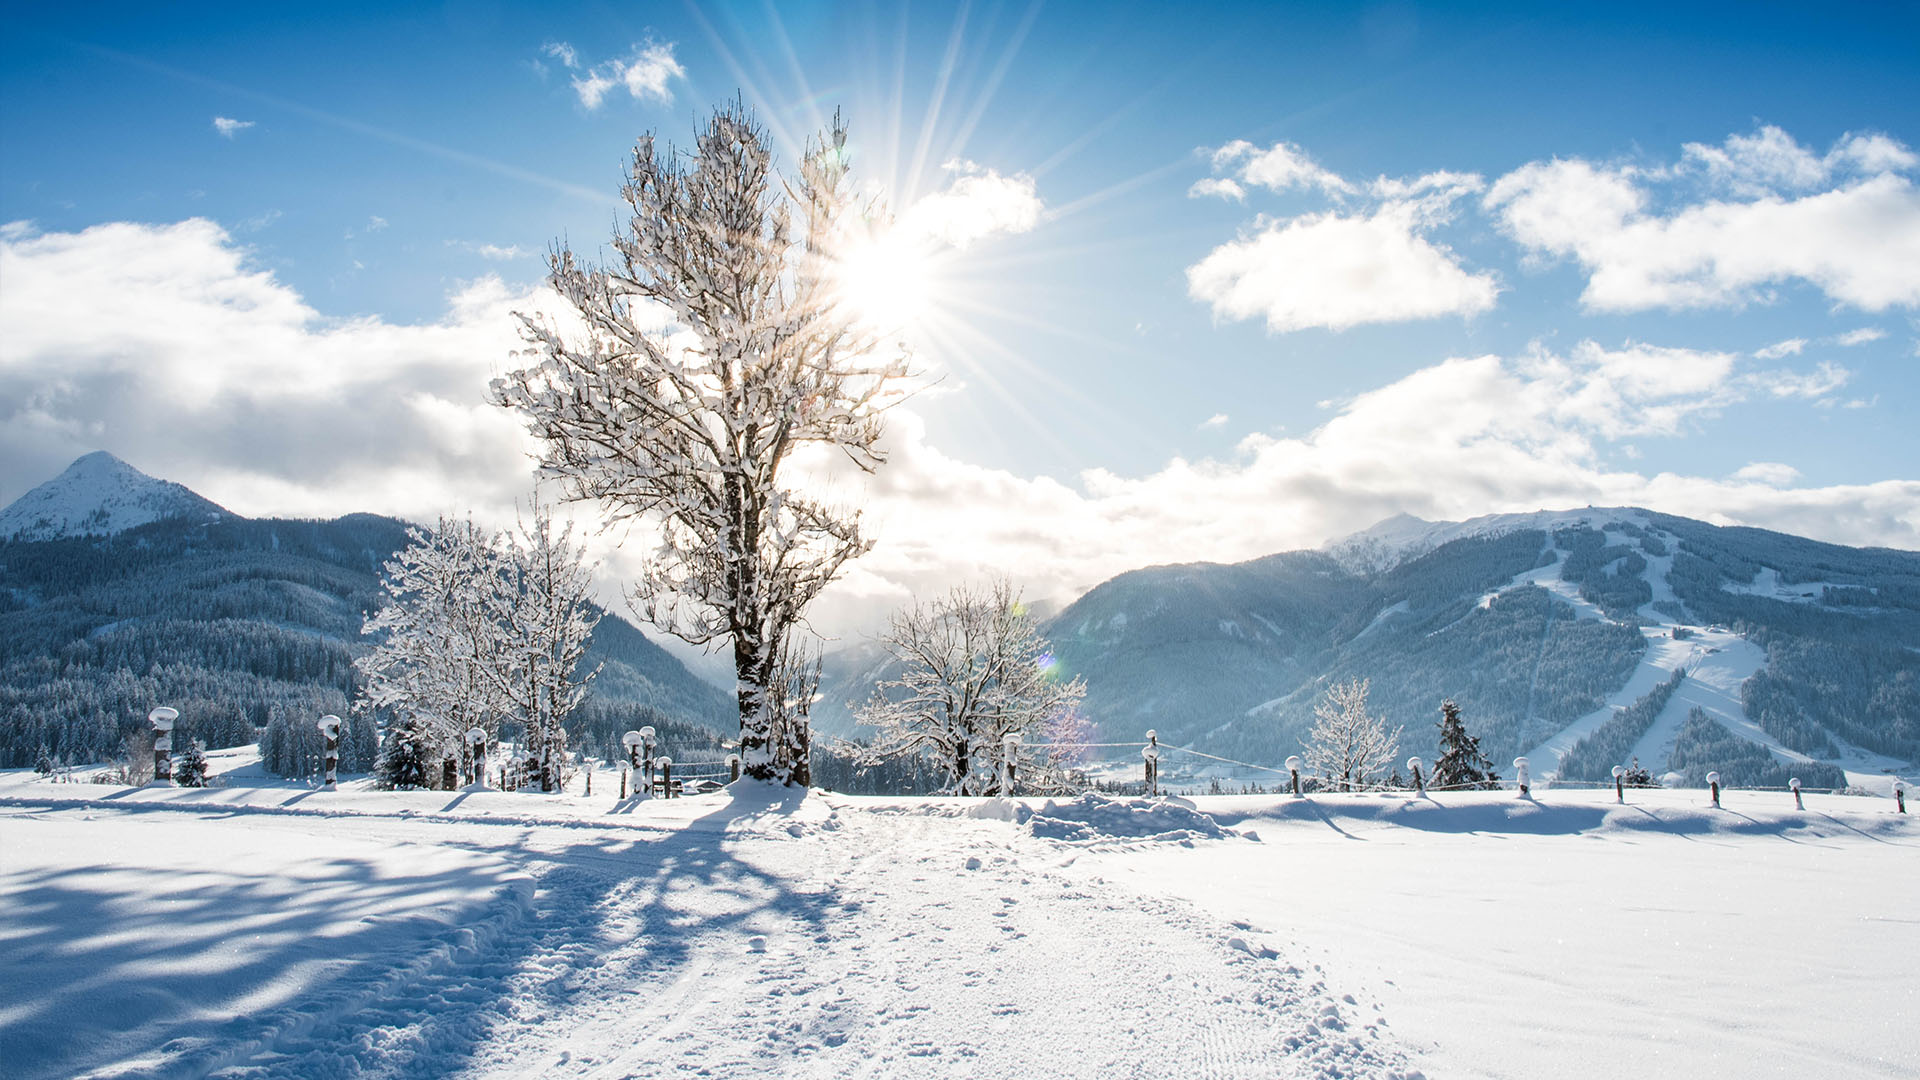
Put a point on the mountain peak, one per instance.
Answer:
(99, 494)
(1403, 536)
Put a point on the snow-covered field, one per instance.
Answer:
(262, 930)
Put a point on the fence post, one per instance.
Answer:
(1150, 756)
(1900, 795)
(1619, 788)
(162, 720)
(1419, 782)
(1713, 783)
(330, 731)
(1293, 767)
(1009, 746)
(647, 747)
(733, 768)
(666, 776)
(586, 765)
(477, 746)
(1795, 785)
(631, 740)
(1520, 774)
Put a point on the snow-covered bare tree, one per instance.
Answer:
(1066, 748)
(712, 347)
(543, 618)
(1347, 744)
(974, 670)
(431, 670)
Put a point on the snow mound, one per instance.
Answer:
(1099, 817)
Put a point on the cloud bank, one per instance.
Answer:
(168, 346)
(1727, 224)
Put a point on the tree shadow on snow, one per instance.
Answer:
(96, 981)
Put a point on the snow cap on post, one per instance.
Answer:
(163, 717)
(1150, 753)
(1293, 763)
(1794, 783)
(329, 725)
(1619, 771)
(632, 739)
(664, 760)
(646, 732)
(476, 736)
(1414, 764)
(1713, 778)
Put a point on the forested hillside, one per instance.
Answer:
(236, 623)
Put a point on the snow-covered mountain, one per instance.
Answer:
(100, 495)
(1557, 632)
(1389, 543)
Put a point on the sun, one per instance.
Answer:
(886, 280)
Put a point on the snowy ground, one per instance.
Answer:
(256, 930)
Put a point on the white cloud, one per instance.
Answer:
(1218, 187)
(1846, 223)
(228, 127)
(1860, 337)
(1281, 167)
(1770, 473)
(1789, 347)
(979, 203)
(498, 253)
(645, 74)
(562, 52)
(1338, 271)
(376, 223)
(208, 370)
(1218, 419)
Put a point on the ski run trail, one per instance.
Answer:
(256, 931)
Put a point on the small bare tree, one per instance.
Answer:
(1347, 744)
(975, 670)
(715, 345)
(544, 619)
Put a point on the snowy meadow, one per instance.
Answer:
(263, 928)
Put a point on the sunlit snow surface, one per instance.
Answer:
(266, 930)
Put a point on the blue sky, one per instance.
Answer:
(1236, 278)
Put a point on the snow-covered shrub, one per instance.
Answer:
(190, 768)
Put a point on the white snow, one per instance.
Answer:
(1380, 620)
(1767, 584)
(1722, 660)
(269, 930)
(1568, 938)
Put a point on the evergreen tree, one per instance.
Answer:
(1461, 763)
(190, 770)
(44, 763)
(407, 755)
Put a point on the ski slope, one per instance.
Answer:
(267, 931)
